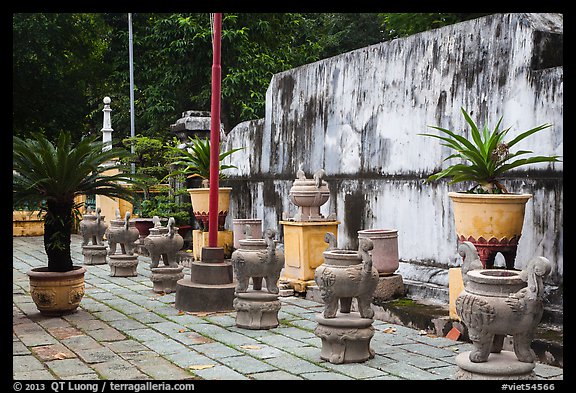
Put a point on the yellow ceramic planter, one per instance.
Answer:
(57, 293)
(201, 204)
(492, 222)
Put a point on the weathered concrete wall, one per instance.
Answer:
(357, 115)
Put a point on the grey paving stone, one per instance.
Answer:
(294, 332)
(35, 375)
(282, 342)
(547, 371)
(420, 361)
(124, 346)
(165, 346)
(111, 315)
(146, 317)
(127, 324)
(225, 320)
(292, 363)
(219, 372)
(354, 370)
(326, 376)
(261, 351)
(407, 371)
(118, 369)
(76, 343)
(97, 355)
(19, 349)
(216, 350)
(161, 369)
(26, 363)
(246, 364)
(106, 334)
(279, 375)
(167, 327)
(145, 335)
(428, 350)
(189, 358)
(234, 338)
(67, 368)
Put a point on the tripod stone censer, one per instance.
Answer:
(496, 303)
(257, 259)
(122, 232)
(344, 275)
(164, 242)
(93, 228)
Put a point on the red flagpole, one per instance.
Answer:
(215, 134)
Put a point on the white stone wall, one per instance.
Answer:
(357, 115)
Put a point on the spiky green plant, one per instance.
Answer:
(194, 161)
(48, 176)
(486, 156)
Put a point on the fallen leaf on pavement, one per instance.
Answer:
(250, 347)
(389, 330)
(200, 366)
(60, 356)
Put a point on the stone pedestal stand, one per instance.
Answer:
(165, 278)
(500, 366)
(94, 255)
(303, 248)
(123, 265)
(257, 309)
(346, 338)
(210, 286)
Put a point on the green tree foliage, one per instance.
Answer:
(57, 68)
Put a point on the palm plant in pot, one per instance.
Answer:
(487, 214)
(194, 162)
(49, 176)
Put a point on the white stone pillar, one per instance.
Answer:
(107, 127)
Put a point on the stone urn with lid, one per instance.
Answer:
(309, 195)
(496, 303)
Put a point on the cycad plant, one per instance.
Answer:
(48, 176)
(194, 160)
(486, 156)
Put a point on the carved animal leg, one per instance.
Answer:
(482, 347)
(272, 283)
(171, 260)
(242, 285)
(155, 260)
(257, 283)
(497, 343)
(112, 248)
(364, 306)
(345, 304)
(522, 347)
(123, 248)
(94, 240)
(330, 306)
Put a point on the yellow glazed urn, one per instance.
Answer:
(57, 293)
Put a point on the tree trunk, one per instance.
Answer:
(57, 233)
